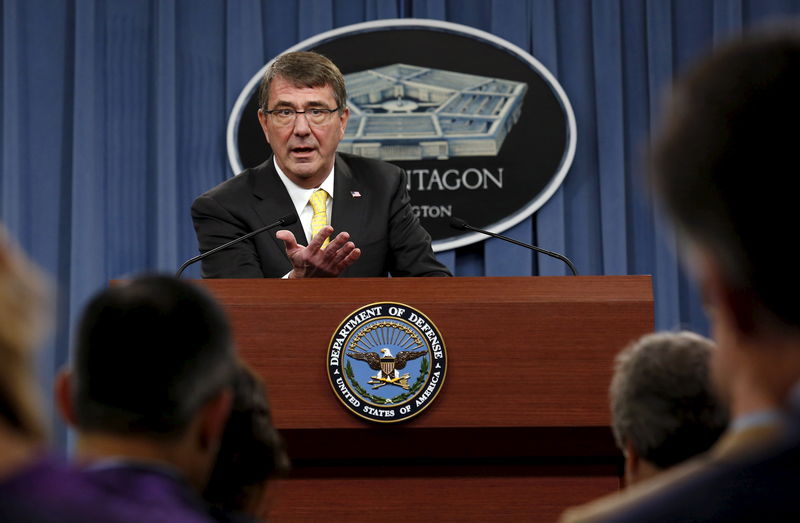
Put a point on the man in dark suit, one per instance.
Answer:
(723, 166)
(149, 394)
(303, 114)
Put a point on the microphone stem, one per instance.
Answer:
(224, 245)
(535, 248)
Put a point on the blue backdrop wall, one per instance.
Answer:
(114, 111)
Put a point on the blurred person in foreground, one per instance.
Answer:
(723, 165)
(149, 395)
(23, 459)
(663, 407)
(35, 485)
(250, 454)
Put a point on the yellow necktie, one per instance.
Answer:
(318, 202)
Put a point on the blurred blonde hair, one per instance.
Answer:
(24, 319)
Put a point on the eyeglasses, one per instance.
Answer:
(315, 116)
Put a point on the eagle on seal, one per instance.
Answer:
(388, 364)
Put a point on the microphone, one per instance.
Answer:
(286, 220)
(458, 223)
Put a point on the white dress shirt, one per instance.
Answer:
(300, 197)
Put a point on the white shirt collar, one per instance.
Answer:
(300, 195)
(125, 462)
(759, 418)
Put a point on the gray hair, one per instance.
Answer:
(304, 69)
(662, 399)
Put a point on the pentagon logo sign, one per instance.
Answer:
(482, 129)
(386, 362)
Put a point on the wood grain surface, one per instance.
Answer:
(519, 430)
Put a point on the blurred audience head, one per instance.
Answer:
(251, 452)
(723, 164)
(149, 353)
(24, 318)
(663, 407)
(153, 360)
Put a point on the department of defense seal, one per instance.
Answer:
(386, 362)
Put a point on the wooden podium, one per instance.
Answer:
(519, 431)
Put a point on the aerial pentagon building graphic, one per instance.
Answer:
(405, 112)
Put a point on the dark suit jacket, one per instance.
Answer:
(758, 486)
(731, 446)
(380, 222)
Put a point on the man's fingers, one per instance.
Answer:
(342, 252)
(319, 238)
(346, 256)
(339, 254)
(350, 258)
(339, 241)
(288, 238)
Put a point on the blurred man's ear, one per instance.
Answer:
(636, 468)
(196, 450)
(631, 464)
(729, 304)
(63, 396)
(213, 417)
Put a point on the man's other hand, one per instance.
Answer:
(314, 261)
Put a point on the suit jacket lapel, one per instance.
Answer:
(349, 203)
(274, 203)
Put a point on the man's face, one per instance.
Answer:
(304, 152)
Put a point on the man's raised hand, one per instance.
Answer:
(314, 261)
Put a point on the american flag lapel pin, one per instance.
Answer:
(355, 194)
